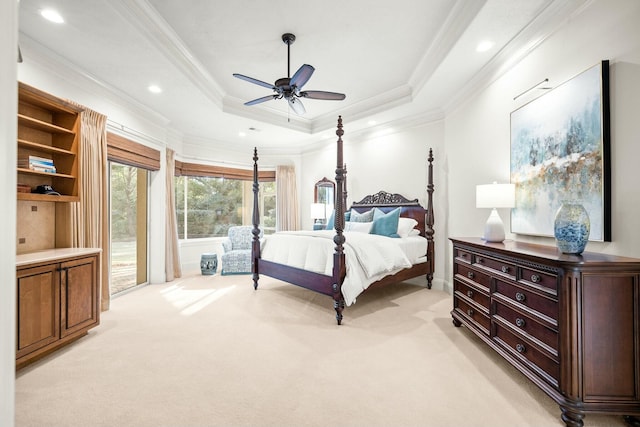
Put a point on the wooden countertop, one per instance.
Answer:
(53, 255)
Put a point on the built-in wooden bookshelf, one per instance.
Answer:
(48, 127)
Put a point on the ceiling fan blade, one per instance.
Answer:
(321, 94)
(296, 105)
(254, 81)
(302, 76)
(263, 99)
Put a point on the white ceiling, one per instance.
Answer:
(397, 62)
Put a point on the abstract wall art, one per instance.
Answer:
(560, 152)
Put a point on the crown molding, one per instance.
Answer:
(72, 74)
(459, 19)
(144, 17)
(543, 26)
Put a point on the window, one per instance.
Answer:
(207, 206)
(128, 226)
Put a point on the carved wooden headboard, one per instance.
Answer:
(387, 202)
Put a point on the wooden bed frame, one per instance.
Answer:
(331, 285)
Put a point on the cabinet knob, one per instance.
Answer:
(520, 348)
(505, 269)
(520, 322)
(520, 296)
(470, 275)
(470, 312)
(535, 278)
(479, 260)
(470, 293)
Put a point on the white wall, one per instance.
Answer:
(477, 134)
(8, 111)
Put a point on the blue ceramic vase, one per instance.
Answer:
(571, 228)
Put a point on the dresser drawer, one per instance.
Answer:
(472, 293)
(543, 365)
(462, 255)
(497, 266)
(483, 280)
(537, 279)
(530, 326)
(474, 314)
(544, 305)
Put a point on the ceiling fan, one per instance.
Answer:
(289, 87)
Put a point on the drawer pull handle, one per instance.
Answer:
(470, 275)
(520, 296)
(520, 322)
(535, 278)
(470, 294)
(470, 312)
(505, 269)
(520, 348)
(480, 260)
(463, 255)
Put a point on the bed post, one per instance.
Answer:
(255, 244)
(429, 231)
(339, 268)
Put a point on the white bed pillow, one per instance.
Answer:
(414, 232)
(360, 227)
(405, 225)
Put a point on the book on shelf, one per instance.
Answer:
(43, 160)
(48, 169)
(36, 163)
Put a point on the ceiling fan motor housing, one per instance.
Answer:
(288, 38)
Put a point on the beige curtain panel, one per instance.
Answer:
(172, 253)
(89, 217)
(287, 217)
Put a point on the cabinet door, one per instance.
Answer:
(38, 323)
(79, 295)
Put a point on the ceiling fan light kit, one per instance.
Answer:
(289, 87)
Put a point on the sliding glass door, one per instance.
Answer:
(128, 226)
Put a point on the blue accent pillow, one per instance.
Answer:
(361, 217)
(385, 224)
(332, 219)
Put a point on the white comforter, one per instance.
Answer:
(369, 257)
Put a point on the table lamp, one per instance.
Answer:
(495, 196)
(318, 212)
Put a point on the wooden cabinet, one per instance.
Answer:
(57, 300)
(49, 128)
(569, 323)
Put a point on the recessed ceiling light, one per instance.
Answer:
(154, 89)
(242, 134)
(52, 15)
(484, 46)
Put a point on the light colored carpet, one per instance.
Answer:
(211, 351)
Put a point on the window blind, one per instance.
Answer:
(127, 152)
(196, 169)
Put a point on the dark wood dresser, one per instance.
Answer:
(569, 323)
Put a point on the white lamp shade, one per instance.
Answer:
(496, 196)
(318, 211)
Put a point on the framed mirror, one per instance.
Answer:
(324, 192)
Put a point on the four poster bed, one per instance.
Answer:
(340, 266)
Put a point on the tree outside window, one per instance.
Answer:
(208, 206)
